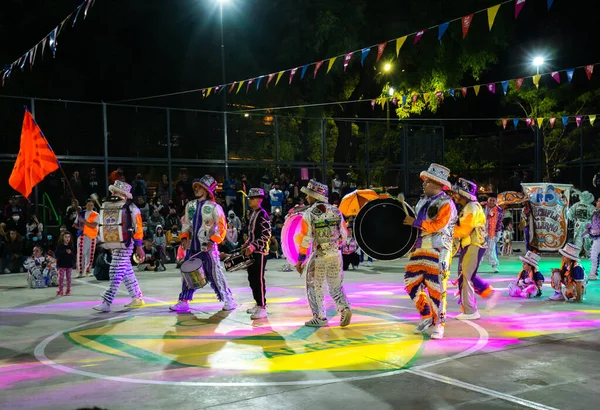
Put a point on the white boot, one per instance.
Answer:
(102, 307)
(181, 306)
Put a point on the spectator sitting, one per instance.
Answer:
(102, 268)
(173, 219)
(41, 269)
(160, 243)
(173, 241)
(144, 208)
(2, 246)
(12, 208)
(234, 220)
(231, 238)
(14, 252)
(273, 248)
(140, 187)
(34, 229)
(151, 260)
(155, 221)
(530, 280)
(277, 197)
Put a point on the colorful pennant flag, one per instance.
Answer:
(258, 82)
(347, 59)
(418, 36)
(516, 122)
(491, 12)
(331, 61)
(578, 120)
(373, 104)
(505, 86)
(278, 77)
(303, 72)
(464, 91)
(492, 88)
(540, 122)
(519, 82)
(399, 43)
(269, 79)
(317, 66)
(589, 70)
(565, 120)
(35, 160)
(552, 122)
(442, 30)
(518, 7)
(550, 3)
(504, 122)
(380, 48)
(414, 98)
(404, 97)
(451, 91)
(52, 41)
(556, 76)
(536, 80)
(240, 86)
(466, 23)
(439, 94)
(292, 74)
(250, 81)
(476, 88)
(363, 55)
(528, 122)
(208, 91)
(592, 119)
(570, 74)
(232, 86)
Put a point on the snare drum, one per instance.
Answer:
(291, 229)
(237, 261)
(193, 274)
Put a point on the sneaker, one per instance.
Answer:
(68, 293)
(369, 263)
(470, 316)
(229, 306)
(181, 306)
(316, 322)
(79, 276)
(423, 325)
(438, 332)
(593, 276)
(345, 317)
(260, 313)
(59, 293)
(492, 300)
(135, 303)
(539, 293)
(102, 307)
(496, 270)
(557, 296)
(252, 310)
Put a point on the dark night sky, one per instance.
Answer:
(131, 48)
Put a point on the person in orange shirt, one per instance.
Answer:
(86, 242)
(120, 266)
(203, 228)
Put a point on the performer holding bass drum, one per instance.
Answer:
(257, 246)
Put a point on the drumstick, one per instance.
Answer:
(401, 199)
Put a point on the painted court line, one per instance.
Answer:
(479, 389)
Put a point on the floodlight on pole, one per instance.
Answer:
(387, 67)
(537, 62)
(391, 91)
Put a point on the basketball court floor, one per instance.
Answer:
(57, 353)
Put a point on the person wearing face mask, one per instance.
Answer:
(234, 220)
(17, 222)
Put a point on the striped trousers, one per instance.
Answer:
(121, 270)
(321, 269)
(214, 275)
(426, 271)
(86, 247)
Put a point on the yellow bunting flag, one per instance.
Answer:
(592, 119)
(536, 80)
(540, 122)
(399, 43)
(476, 88)
(492, 11)
(331, 61)
(240, 86)
(208, 92)
(278, 77)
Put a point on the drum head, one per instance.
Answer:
(379, 231)
(291, 228)
(191, 265)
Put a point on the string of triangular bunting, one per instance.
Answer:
(51, 39)
(541, 121)
(465, 21)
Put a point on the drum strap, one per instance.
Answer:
(129, 227)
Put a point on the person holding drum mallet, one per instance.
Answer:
(257, 246)
(203, 228)
(324, 229)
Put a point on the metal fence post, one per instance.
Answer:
(323, 152)
(368, 170)
(277, 157)
(170, 171)
(105, 125)
(405, 157)
(443, 143)
(581, 158)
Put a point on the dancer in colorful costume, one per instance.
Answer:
(429, 261)
(530, 280)
(593, 231)
(324, 230)
(120, 266)
(203, 228)
(569, 282)
(581, 216)
(471, 231)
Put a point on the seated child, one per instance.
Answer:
(41, 270)
(530, 280)
(569, 281)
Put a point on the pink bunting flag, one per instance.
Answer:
(518, 7)
(232, 86)
(492, 88)
(380, 48)
(248, 86)
(519, 82)
(589, 70)
(504, 122)
(552, 122)
(464, 91)
(529, 122)
(466, 23)
(438, 94)
(347, 60)
(578, 120)
(418, 36)
(556, 76)
(317, 66)
(270, 78)
(292, 74)
(395, 101)
(414, 98)
(373, 104)
(203, 92)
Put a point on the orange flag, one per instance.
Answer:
(35, 160)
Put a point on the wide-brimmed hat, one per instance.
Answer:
(466, 189)
(120, 187)
(586, 197)
(207, 182)
(531, 258)
(256, 193)
(439, 174)
(316, 190)
(571, 251)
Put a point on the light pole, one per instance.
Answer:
(537, 62)
(224, 92)
(391, 94)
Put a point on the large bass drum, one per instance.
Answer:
(379, 231)
(113, 227)
(291, 228)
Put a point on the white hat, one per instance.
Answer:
(467, 189)
(437, 173)
(531, 258)
(586, 197)
(316, 190)
(120, 187)
(571, 251)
